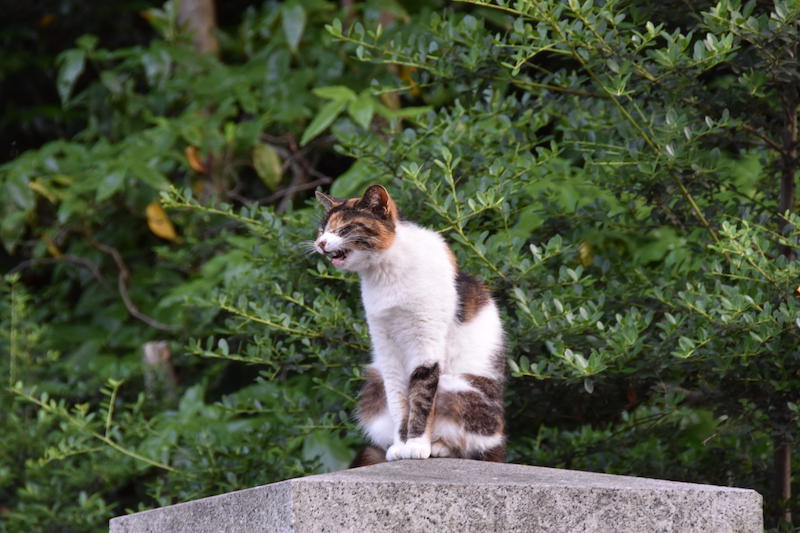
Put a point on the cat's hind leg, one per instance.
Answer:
(440, 449)
(373, 411)
(469, 418)
(371, 455)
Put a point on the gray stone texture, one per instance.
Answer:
(441, 495)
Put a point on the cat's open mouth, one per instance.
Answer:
(338, 257)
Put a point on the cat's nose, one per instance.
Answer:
(322, 244)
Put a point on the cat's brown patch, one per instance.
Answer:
(421, 392)
(472, 296)
(403, 433)
(479, 416)
(372, 399)
(491, 388)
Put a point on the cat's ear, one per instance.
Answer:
(327, 201)
(377, 200)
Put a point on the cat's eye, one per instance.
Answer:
(344, 230)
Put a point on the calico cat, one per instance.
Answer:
(435, 386)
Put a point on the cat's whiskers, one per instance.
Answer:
(309, 248)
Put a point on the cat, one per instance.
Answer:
(436, 382)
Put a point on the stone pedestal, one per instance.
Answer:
(442, 495)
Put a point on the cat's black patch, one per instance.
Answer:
(349, 216)
(423, 373)
(496, 454)
(371, 455)
(421, 391)
(358, 227)
(472, 296)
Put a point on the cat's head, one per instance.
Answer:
(355, 231)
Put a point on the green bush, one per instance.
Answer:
(600, 165)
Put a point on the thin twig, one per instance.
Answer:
(295, 189)
(122, 287)
(764, 137)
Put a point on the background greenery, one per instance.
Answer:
(621, 173)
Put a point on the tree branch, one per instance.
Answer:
(122, 287)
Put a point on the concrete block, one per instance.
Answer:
(442, 495)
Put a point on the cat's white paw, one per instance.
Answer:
(440, 450)
(416, 448)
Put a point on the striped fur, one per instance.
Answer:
(436, 383)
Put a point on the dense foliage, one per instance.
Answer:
(621, 173)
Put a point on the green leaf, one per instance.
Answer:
(110, 184)
(324, 118)
(352, 181)
(362, 109)
(12, 227)
(411, 112)
(335, 92)
(293, 19)
(147, 174)
(268, 165)
(223, 346)
(331, 451)
(18, 190)
(71, 63)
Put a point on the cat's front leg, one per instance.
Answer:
(415, 431)
(395, 386)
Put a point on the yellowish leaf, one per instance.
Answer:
(194, 160)
(586, 254)
(405, 75)
(159, 223)
(199, 189)
(42, 189)
(391, 100)
(45, 20)
(52, 248)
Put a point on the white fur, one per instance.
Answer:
(454, 383)
(380, 429)
(409, 294)
(416, 448)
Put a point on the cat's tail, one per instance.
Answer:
(371, 455)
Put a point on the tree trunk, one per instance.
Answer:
(781, 444)
(789, 158)
(199, 19)
(783, 478)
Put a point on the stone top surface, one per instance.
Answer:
(474, 473)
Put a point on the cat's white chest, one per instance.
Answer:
(390, 309)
